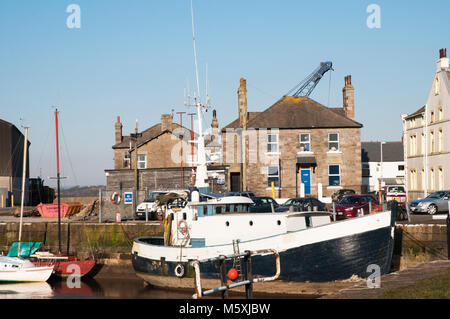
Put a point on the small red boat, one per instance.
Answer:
(64, 265)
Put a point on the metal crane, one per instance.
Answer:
(305, 87)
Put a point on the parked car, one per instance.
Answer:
(432, 204)
(302, 204)
(246, 194)
(150, 205)
(337, 196)
(396, 192)
(263, 205)
(351, 205)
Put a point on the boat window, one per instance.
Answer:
(235, 208)
(184, 216)
(227, 208)
(205, 210)
(308, 221)
(251, 223)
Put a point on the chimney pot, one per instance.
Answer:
(443, 53)
(118, 131)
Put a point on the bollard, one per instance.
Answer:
(118, 218)
(146, 213)
(3, 202)
(334, 211)
(370, 207)
(12, 200)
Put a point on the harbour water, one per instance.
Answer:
(108, 288)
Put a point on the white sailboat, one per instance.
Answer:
(16, 269)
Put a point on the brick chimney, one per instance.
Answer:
(166, 122)
(215, 126)
(242, 103)
(443, 61)
(118, 129)
(348, 94)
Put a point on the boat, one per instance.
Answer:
(17, 269)
(64, 265)
(311, 246)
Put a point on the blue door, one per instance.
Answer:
(306, 180)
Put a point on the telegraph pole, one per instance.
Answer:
(181, 148)
(135, 136)
(192, 147)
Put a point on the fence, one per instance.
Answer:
(122, 202)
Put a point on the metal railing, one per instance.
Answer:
(248, 279)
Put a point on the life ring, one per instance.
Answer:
(183, 227)
(115, 198)
(179, 271)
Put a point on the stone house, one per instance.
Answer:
(426, 137)
(382, 162)
(301, 146)
(163, 155)
(11, 164)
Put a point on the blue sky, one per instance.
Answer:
(134, 59)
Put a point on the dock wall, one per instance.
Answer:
(112, 242)
(81, 239)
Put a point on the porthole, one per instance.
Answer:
(251, 223)
(278, 222)
(227, 224)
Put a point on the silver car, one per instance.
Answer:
(432, 204)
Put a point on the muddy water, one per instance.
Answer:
(110, 288)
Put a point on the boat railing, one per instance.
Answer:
(247, 279)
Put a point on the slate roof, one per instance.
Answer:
(416, 113)
(371, 152)
(152, 133)
(298, 112)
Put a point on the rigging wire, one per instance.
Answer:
(329, 91)
(66, 149)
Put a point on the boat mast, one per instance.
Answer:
(202, 174)
(23, 187)
(58, 185)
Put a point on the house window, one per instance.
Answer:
(401, 168)
(334, 175)
(441, 114)
(333, 141)
(273, 175)
(142, 161)
(440, 140)
(413, 179)
(305, 142)
(423, 178)
(126, 159)
(422, 148)
(436, 86)
(272, 143)
(431, 116)
(365, 169)
(441, 178)
(431, 142)
(432, 178)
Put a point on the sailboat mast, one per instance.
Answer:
(202, 174)
(58, 185)
(23, 187)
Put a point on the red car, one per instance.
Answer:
(352, 205)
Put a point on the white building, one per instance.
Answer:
(426, 137)
(382, 162)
